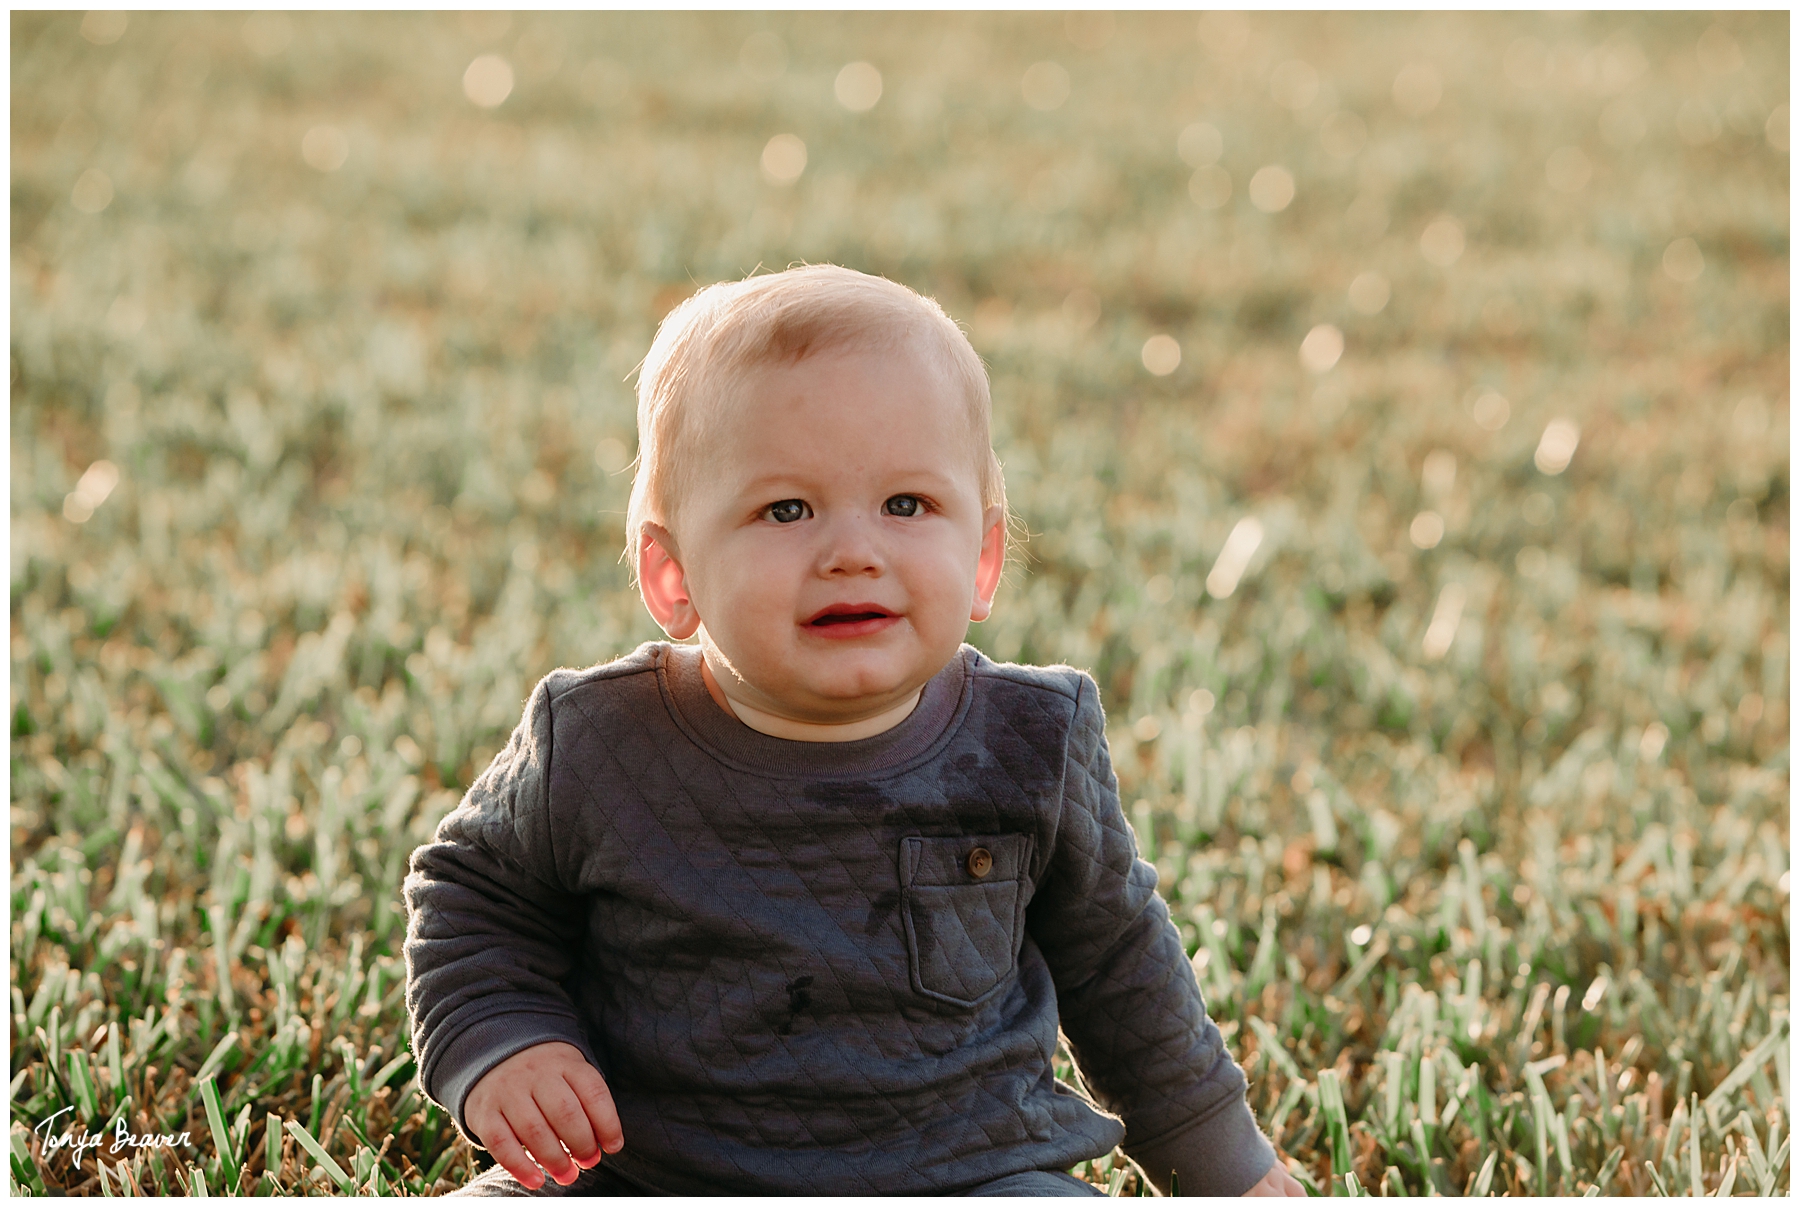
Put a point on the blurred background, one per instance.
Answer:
(1397, 405)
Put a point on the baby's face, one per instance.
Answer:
(833, 547)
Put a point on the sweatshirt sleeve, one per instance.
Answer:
(1126, 993)
(490, 933)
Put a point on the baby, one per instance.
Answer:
(799, 909)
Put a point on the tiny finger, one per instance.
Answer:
(568, 1120)
(535, 1134)
(500, 1141)
(590, 1089)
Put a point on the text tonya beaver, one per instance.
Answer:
(123, 1138)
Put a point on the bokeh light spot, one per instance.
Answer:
(1441, 634)
(1272, 189)
(1417, 89)
(1442, 242)
(1683, 261)
(858, 86)
(783, 159)
(1081, 309)
(103, 28)
(1162, 355)
(1322, 348)
(611, 454)
(1492, 411)
(1427, 530)
(125, 317)
(1294, 84)
(1557, 446)
(1718, 51)
(1045, 86)
(325, 148)
(91, 490)
(1246, 537)
(1369, 292)
(488, 81)
(93, 191)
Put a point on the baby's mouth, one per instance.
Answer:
(848, 614)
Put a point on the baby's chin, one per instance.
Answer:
(840, 686)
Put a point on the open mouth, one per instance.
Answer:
(838, 615)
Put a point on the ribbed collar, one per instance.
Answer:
(941, 705)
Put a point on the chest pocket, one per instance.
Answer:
(963, 906)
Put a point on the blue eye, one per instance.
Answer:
(903, 505)
(786, 511)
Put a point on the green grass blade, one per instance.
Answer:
(83, 1086)
(1485, 1178)
(1745, 1070)
(1696, 1178)
(272, 1145)
(388, 1070)
(332, 1169)
(216, 1059)
(114, 1064)
(1607, 1170)
(215, 1119)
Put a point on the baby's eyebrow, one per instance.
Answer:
(897, 481)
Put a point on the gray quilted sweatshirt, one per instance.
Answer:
(823, 968)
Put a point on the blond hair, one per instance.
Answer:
(728, 328)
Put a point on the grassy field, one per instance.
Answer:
(1397, 406)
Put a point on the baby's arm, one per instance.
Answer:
(491, 936)
(1126, 993)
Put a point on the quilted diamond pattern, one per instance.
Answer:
(786, 971)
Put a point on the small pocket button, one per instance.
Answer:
(981, 862)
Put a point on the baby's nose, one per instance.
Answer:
(852, 547)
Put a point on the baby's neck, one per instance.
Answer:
(806, 731)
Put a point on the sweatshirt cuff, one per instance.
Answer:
(1226, 1154)
(474, 1052)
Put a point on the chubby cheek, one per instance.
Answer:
(756, 584)
(942, 590)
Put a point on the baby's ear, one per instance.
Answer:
(991, 562)
(663, 584)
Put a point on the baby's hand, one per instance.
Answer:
(544, 1099)
(1277, 1183)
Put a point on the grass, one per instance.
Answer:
(1466, 780)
